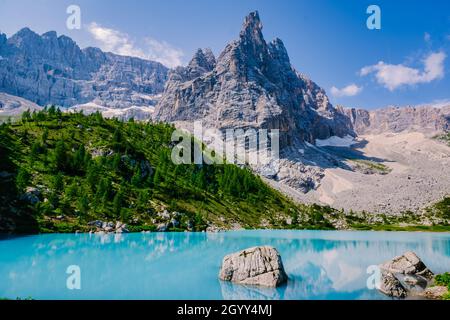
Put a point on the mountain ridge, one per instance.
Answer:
(52, 69)
(394, 119)
(106, 89)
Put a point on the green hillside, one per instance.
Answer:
(59, 171)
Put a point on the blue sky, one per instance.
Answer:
(406, 62)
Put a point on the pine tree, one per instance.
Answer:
(98, 117)
(117, 139)
(83, 205)
(137, 177)
(157, 178)
(79, 159)
(44, 136)
(60, 155)
(92, 176)
(22, 179)
(116, 162)
(58, 182)
(52, 110)
(124, 214)
(143, 198)
(103, 190)
(117, 203)
(34, 116)
(26, 116)
(72, 190)
(200, 179)
(35, 150)
(58, 113)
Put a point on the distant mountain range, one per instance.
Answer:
(425, 119)
(252, 83)
(51, 69)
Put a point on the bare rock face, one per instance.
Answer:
(426, 119)
(51, 69)
(254, 266)
(251, 85)
(391, 286)
(404, 275)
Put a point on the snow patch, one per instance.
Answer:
(336, 141)
(137, 112)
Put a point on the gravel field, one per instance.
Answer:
(419, 176)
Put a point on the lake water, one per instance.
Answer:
(320, 264)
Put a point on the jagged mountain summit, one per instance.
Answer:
(51, 69)
(252, 84)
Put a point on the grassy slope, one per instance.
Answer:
(409, 221)
(131, 181)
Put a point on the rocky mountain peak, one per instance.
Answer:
(25, 32)
(50, 35)
(3, 39)
(252, 28)
(278, 51)
(252, 85)
(203, 60)
(209, 55)
(24, 37)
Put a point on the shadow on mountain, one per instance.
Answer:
(328, 157)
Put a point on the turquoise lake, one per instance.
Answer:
(320, 264)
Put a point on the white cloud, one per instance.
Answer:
(426, 37)
(120, 43)
(348, 91)
(393, 76)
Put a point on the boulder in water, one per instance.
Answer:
(254, 266)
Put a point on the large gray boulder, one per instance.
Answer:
(254, 266)
(404, 275)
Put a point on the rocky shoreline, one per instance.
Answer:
(405, 276)
(108, 227)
